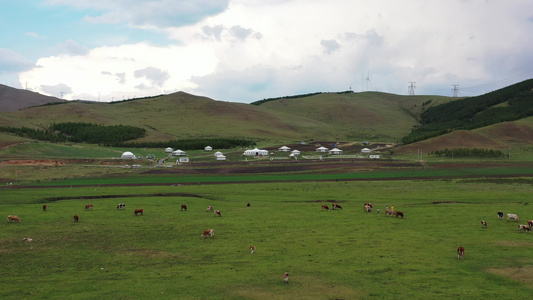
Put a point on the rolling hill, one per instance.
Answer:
(12, 99)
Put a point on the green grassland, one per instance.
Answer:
(343, 254)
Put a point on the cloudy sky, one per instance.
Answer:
(248, 50)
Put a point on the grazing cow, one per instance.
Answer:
(121, 206)
(89, 207)
(252, 249)
(368, 207)
(500, 215)
(138, 211)
(399, 214)
(530, 224)
(44, 207)
(335, 206)
(76, 218)
(13, 218)
(513, 217)
(184, 207)
(524, 227)
(27, 240)
(209, 208)
(217, 213)
(286, 277)
(460, 253)
(325, 207)
(389, 212)
(483, 224)
(208, 232)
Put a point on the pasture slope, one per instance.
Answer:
(336, 254)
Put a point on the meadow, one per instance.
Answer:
(340, 254)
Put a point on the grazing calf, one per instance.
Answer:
(399, 214)
(325, 207)
(217, 213)
(286, 277)
(184, 207)
(483, 224)
(76, 218)
(524, 227)
(44, 207)
(335, 206)
(89, 207)
(500, 215)
(460, 253)
(27, 240)
(138, 211)
(252, 249)
(13, 218)
(121, 206)
(209, 208)
(530, 224)
(513, 217)
(208, 232)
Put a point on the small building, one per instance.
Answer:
(335, 151)
(284, 149)
(295, 152)
(179, 153)
(221, 157)
(128, 155)
(322, 149)
(169, 150)
(255, 152)
(218, 153)
(366, 150)
(208, 148)
(374, 156)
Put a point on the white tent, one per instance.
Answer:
(127, 155)
(218, 153)
(295, 152)
(284, 149)
(221, 157)
(335, 151)
(208, 148)
(255, 152)
(179, 153)
(322, 149)
(366, 150)
(169, 150)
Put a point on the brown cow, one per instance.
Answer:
(44, 207)
(524, 227)
(460, 253)
(209, 208)
(325, 207)
(121, 206)
(76, 218)
(252, 249)
(13, 218)
(483, 224)
(27, 240)
(399, 214)
(286, 277)
(217, 213)
(138, 211)
(389, 212)
(335, 206)
(208, 232)
(184, 207)
(530, 224)
(89, 207)
(368, 207)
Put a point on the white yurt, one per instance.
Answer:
(179, 153)
(208, 148)
(322, 149)
(335, 151)
(127, 155)
(169, 150)
(218, 153)
(295, 152)
(366, 150)
(284, 149)
(221, 157)
(255, 152)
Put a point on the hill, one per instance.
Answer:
(12, 99)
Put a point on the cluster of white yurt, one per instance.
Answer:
(179, 153)
(255, 152)
(128, 155)
(220, 156)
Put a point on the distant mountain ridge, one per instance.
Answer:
(12, 99)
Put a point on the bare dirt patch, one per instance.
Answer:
(33, 162)
(520, 274)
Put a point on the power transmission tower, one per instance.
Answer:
(455, 90)
(412, 87)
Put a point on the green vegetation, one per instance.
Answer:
(259, 102)
(465, 152)
(341, 254)
(192, 144)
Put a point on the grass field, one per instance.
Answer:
(341, 254)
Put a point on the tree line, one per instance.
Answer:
(192, 144)
(465, 152)
(259, 102)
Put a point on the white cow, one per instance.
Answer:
(513, 217)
